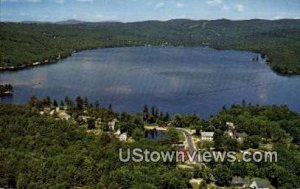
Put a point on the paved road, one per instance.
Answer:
(188, 138)
(187, 134)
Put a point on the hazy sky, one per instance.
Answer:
(136, 10)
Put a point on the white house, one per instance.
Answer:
(112, 124)
(259, 184)
(123, 137)
(118, 132)
(230, 125)
(64, 115)
(240, 136)
(207, 136)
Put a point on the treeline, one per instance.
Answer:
(25, 45)
(132, 124)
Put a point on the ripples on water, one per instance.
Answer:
(183, 80)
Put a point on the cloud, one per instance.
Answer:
(159, 5)
(225, 7)
(239, 7)
(213, 2)
(86, 1)
(29, 1)
(33, 1)
(179, 5)
(59, 1)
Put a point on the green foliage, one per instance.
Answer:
(223, 175)
(274, 126)
(204, 144)
(41, 152)
(24, 44)
(172, 136)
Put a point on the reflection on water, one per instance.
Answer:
(154, 134)
(184, 80)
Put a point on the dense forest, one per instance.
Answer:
(42, 151)
(27, 44)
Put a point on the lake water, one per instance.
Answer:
(155, 134)
(175, 79)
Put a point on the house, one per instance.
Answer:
(52, 112)
(240, 182)
(36, 63)
(239, 136)
(260, 184)
(207, 136)
(123, 137)
(47, 110)
(118, 132)
(64, 115)
(230, 125)
(112, 124)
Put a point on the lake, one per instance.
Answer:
(155, 134)
(176, 79)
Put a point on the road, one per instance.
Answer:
(190, 143)
(188, 138)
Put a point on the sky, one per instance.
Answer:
(139, 10)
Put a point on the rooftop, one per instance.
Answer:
(207, 134)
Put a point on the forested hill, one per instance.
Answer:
(23, 44)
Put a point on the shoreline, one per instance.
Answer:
(53, 61)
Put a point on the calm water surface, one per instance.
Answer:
(175, 79)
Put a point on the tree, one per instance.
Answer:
(251, 142)
(222, 174)
(86, 102)
(138, 134)
(204, 144)
(91, 123)
(110, 107)
(97, 105)
(172, 135)
(79, 102)
(218, 139)
(33, 101)
(62, 104)
(145, 113)
(55, 103)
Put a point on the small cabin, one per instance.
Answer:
(209, 136)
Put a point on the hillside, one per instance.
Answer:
(23, 44)
(48, 151)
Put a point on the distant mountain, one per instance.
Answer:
(70, 22)
(35, 22)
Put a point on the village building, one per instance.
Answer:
(259, 184)
(230, 125)
(123, 137)
(112, 124)
(209, 136)
(64, 116)
(118, 132)
(240, 136)
(240, 182)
